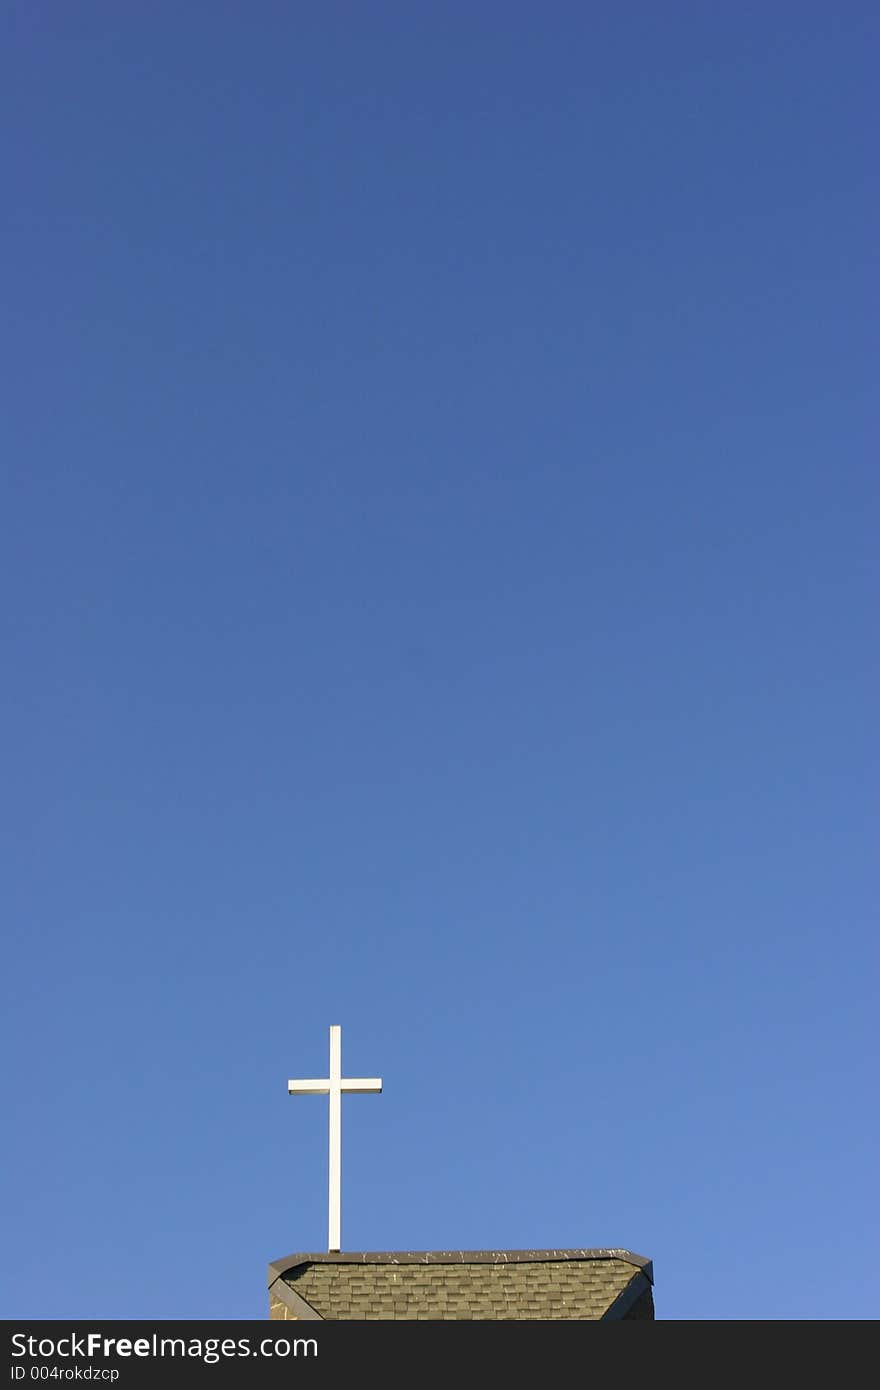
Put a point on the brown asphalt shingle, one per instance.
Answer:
(533, 1289)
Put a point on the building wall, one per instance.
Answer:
(279, 1310)
(642, 1309)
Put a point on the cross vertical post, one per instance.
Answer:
(335, 1184)
(332, 1086)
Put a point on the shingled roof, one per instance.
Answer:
(439, 1285)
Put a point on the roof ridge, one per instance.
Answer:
(440, 1257)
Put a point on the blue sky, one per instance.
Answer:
(438, 528)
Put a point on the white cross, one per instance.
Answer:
(333, 1086)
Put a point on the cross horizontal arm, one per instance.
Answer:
(308, 1088)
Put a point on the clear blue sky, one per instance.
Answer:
(439, 505)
